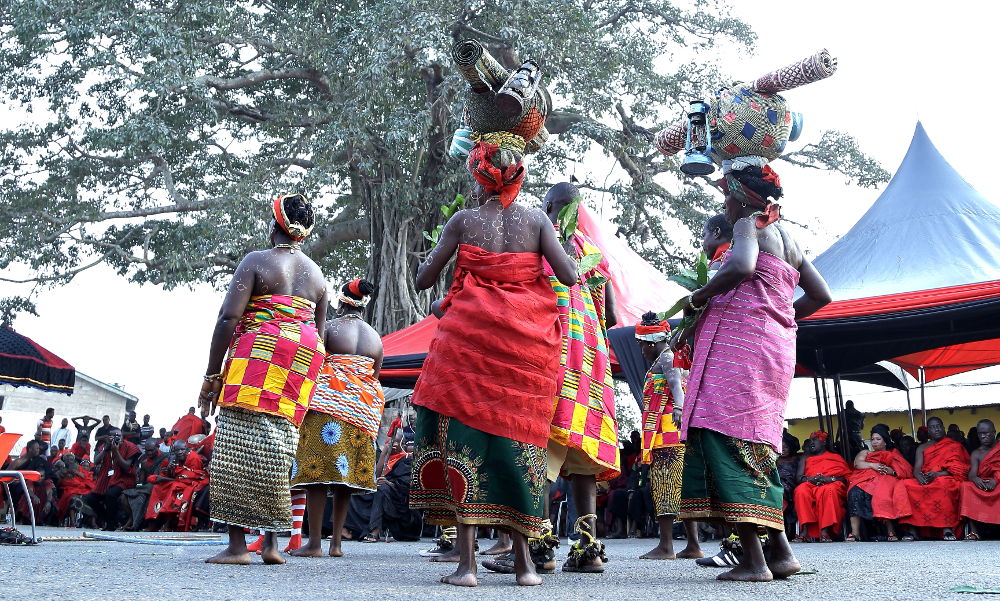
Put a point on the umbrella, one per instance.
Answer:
(24, 362)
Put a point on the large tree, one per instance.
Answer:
(151, 132)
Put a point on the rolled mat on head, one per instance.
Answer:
(673, 138)
(813, 68)
(478, 66)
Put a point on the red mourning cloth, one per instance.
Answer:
(187, 426)
(109, 473)
(175, 497)
(82, 451)
(70, 486)
(981, 505)
(822, 506)
(494, 360)
(881, 486)
(934, 505)
(720, 251)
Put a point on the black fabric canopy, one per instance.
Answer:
(23, 362)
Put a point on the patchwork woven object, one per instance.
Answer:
(348, 389)
(275, 358)
(813, 68)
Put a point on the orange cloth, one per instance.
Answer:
(494, 360)
(981, 505)
(822, 506)
(934, 505)
(881, 486)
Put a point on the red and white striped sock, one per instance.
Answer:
(298, 511)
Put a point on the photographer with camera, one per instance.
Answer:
(115, 472)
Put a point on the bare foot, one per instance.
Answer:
(336, 551)
(499, 548)
(528, 579)
(271, 557)
(743, 574)
(460, 578)
(659, 552)
(784, 568)
(449, 557)
(307, 551)
(689, 553)
(229, 558)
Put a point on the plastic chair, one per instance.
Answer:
(7, 442)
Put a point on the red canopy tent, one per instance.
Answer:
(639, 287)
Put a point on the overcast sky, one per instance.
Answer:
(899, 62)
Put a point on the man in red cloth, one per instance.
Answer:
(115, 473)
(484, 396)
(181, 476)
(981, 495)
(930, 498)
(820, 498)
(188, 425)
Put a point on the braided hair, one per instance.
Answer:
(299, 210)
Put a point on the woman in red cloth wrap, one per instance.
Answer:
(930, 499)
(821, 494)
(484, 396)
(871, 485)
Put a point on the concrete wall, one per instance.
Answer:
(24, 406)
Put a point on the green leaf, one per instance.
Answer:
(685, 281)
(596, 281)
(702, 268)
(590, 262)
(675, 308)
(446, 211)
(569, 217)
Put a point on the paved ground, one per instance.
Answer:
(108, 570)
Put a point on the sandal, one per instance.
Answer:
(800, 539)
(972, 536)
(949, 537)
(892, 538)
(850, 538)
(368, 539)
(825, 539)
(908, 538)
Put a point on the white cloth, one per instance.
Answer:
(60, 434)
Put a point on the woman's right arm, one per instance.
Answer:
(817, 293)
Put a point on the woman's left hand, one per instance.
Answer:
(208, 398)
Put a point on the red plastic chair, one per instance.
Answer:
(7, 442)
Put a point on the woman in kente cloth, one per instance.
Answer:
(484, 396)
(269, 325)
(744, 359)
(337, 440)
(662, 449)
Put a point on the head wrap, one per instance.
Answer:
(356, 298)
(506, 182)
(819, 434)
(296, 230)
(883, 431)
(769, 211)
(655, 332)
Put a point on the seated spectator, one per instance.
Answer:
(821, 495)
(171, 501)
(390, 508)
(75, 482)
(41, 493)
(115, 460)
(981, 495)
(187, 426)
(81, 448)
(136, 499)
(56, 453)
(931, 498)
(871, 485)
(788, 471)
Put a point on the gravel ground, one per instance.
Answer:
(81, 571)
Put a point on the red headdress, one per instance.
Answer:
(505, 182)
(652, 332)
(819, 434)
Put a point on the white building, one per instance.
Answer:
(22, 407)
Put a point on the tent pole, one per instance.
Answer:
(819, 406)
(923, 400)
(909, 412)
(838, 395)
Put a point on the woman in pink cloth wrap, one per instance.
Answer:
(744, 359)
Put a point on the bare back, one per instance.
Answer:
(775, 241)
(278, 271)
(512, 230)
(352, 336)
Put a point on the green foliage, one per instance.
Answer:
(447, 210)
(156, 132)
(11, 306)
(568, 219)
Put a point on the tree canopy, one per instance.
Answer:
(152, 132)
